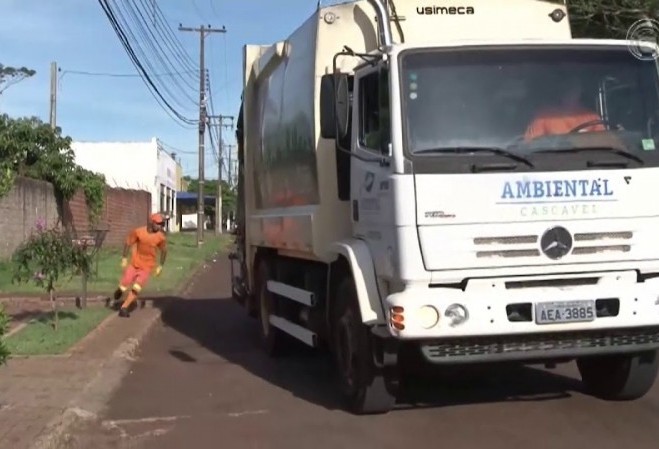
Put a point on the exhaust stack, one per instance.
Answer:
(384, 22)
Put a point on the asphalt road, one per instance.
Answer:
(201, 381)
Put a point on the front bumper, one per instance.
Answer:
(492, 333)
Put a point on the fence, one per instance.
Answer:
(31, 200)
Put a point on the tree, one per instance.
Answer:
(45, 257)
(210, 188)
(31, 148)
(12, 75)
(610, 19)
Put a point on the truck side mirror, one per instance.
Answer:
(327, 107)
(342, 100)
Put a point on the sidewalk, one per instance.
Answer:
(39, 395)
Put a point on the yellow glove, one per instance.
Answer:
(124, 262)
(158, 270)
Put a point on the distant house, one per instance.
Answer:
(136, 165)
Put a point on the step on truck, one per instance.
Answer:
(466, 179)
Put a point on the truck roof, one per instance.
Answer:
(528, 42)
(420, 22)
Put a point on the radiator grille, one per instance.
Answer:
(528, 245)
(518, 346)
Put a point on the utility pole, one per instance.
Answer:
(53, 94)
(230, 164)
(220, 158)
(203, 32)
(230, 177)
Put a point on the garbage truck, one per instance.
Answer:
(467, 180)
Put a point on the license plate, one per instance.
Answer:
(564, 312)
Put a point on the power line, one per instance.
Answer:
(173, 39)
(147, 61)
(151, 43)
(117, 75)
(169, 109)
(161, 40)
(170, 39)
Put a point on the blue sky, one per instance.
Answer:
(78, 36)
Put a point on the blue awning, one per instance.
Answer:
(188, 196)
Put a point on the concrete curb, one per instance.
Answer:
(91, 401)
(15, 330)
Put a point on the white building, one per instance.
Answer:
(134, 165)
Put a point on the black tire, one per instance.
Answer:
(364, 386)
(619, 377)
(274, 341)
(251, 307)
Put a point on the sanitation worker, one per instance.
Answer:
(144, 241)
(566, 116)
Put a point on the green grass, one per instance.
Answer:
(40, 338)
(182, 259)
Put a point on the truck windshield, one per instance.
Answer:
(531, 101)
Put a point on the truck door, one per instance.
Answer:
(372, 211)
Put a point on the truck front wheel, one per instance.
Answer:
(619, 377)
(363, 384)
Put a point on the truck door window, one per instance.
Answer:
(625, 108)
(373, 118)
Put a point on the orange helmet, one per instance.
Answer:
(157, 219)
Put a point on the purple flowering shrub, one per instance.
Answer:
(48, 256)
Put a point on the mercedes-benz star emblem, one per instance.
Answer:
(556, 242)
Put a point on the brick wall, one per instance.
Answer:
(30, 201)
(124, 210)
(20, 209)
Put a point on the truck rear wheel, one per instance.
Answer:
(619, 377)
(273, 339)
(363, 384)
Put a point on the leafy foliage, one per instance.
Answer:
(610, 19)
(4, 353)
(46, 257)
(12, 75)
(229, 196)
(31, 148)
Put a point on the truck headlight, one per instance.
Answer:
(427, 316)
(457, 314)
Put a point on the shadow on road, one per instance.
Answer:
(222, 326)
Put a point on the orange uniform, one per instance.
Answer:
(560, 121)
(144, 241)
(143, 258)
(144, 245)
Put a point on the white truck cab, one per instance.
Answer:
(468, 181)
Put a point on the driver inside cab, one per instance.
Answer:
(566, 116)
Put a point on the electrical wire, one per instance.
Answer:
(170, 38)
(180, 119)
(186, 59)
(114, 75)
(147, 46)
(161, 42)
